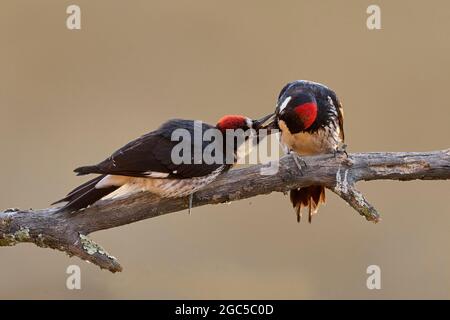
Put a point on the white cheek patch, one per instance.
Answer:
(249, 123)
(285, 103)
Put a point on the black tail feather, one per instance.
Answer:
(88, 198)
(80, 189)
(85, 195)
(310, 197)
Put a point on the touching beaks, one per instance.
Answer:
(268, 122)
(261, 123)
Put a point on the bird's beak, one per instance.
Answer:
(268, 122)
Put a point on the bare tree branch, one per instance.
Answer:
(68, 232)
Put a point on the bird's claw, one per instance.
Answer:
(340, 150)
(191, 197)
(299, 162)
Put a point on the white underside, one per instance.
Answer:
(160, 186)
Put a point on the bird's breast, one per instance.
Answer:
(324, 140)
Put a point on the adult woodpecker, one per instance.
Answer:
(310, 119)
(146, 164)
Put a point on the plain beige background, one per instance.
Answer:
(70, 98)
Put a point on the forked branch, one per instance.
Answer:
(68, 232)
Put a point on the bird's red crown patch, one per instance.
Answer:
(231, 122)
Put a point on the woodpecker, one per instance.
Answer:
(310, 118)
(146, 164)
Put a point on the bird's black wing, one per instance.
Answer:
(325, 92)
(341, 119)
(151, 156)
(340, 112)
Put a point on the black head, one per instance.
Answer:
(298, 111)
(302, 106)
(235, 122)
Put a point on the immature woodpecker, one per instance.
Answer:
(310, 119)
(146, 164)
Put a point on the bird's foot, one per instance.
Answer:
(191, 198)
(341, 150)
(299, 162)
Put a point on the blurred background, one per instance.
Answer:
(71, 97)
